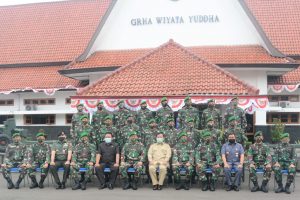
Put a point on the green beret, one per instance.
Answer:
(83, 134)
(258, 133)
(143, 102)
(210, 100)
(284, 135)
(209, 119)
(187, 98)
(80, 105)
(100, 102)
(151, 121)
(83, 117)
(189, 119)
(40, 134)
(206, 134)
(131, 133)
(121, 101)
(170, 119)
(163, 99)
(15, 134)
(231, 118)
(108, 117)
(182, 133)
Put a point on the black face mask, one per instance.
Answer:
(61, 138)
(231, 141)
(209, 125)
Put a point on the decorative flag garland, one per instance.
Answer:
(280, 88)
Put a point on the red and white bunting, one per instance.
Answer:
(47, 91)
(280, 88)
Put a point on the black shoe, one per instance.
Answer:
(17, 185)
(155, 187)
(83, 185)
(41, 185)
(63, 186)
(279, 189)
(134, 185)
(287, 189)
(264, 187)
(229, 188)
(102, 186)
(10, 185)
(255, 188)
(59, 186)
(159, 187)
(204, 186)
(126, 186)
(76, 186)
(178, 186)
(110, 186)
(236, 188)
(186, 186)
(212, 186)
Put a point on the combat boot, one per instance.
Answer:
(287, 188)
(264, 187)
(83, 185)
(280, 187)
(204, 186)
(187, 185)
(134, 184)
(17, 185)
(10, 184)
(126, 184)
(34, 183)
(212, 186)
(41, 183)
(76, 185)
(255, 187)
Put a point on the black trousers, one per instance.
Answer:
(111, 176)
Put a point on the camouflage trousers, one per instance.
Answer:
(267, 172)
(6, 170)
(124, 167)
(177, 175)
(201, 171)
(291, 172)
(34, 166)
(75, 170)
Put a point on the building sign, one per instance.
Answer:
(193, 19)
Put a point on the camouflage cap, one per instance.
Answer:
(182, 133)
(232, 118)
(40, 134)
(131, 133)
(284, 135)
(100, 103)
(206, 134)
(258, 133)
(83, 134)
(209, 119)
(143, 102)
(187, 99)
(16, 133)
(84, 117)
(151, 121)
(108, 117)
(164, 99)
(210, 100)
(80, 105)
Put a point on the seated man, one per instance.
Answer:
(61, 155)
(132, 156)
(15, 157)
(83, 157)
(259, 157)
(107, 156)
(159, 155)
(38, 157)
(183, 158)
(284, 158)
(233, 158)
(207, 156)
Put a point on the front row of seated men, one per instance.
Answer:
(206, 159)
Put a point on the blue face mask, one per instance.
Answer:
(107, 140)
(159, 140)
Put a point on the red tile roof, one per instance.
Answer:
(14, 78)
(291, 77)
(246, 54)
(48, 32)
(279, 20)
(170, 70)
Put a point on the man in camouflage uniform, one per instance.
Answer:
(85, 127)
(170, 132)
(211, 112)
(284, 158)
(259, 156)
(237, 130)
(39, 157)
(120, 115)
(107, 127)
(239, 113)
(143, 116)
(193, 134)
(132, 156)
(15, 157)
(76, 121)
(188, 111)
(207, 156)
(99, 115)
(84, 156)
(183, 158)
(61, 154)
(216, 134)
(164, 113)
(129, 126)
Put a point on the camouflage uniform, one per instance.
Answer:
(186, 112)
(215, 114)
(259, 155)
(285, 155)
(83, 153)
(193, 135)
(123, 134)
(15, 156)
(120, 117)
(105, 129)
(170, 133)
(239, 135)
(143, 116)
(183, 153)
(239, 113)
(99, 116)
(207, 155)
(76, 121)
(164, 113)
(132, 153)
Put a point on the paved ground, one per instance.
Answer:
(144, 193)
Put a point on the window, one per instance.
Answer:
(39, 101)
(286, 118)
(69, 118)
(292, 98)
(68, 100)
(6, 102)
(4, 118)
(39, 119)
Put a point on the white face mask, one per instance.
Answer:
(107, 140)
(159, 140)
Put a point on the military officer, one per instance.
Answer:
(15, 157)
(211, 112)
(259, 156)
(107, 127)
(164, 113)
(188, 111)
(193, 134)
(216, 134)
(99, 115)
(120, 115)
(234, 110)
(170, 132)
(85, 127)
(236, 129)
(143, 116)
(127, 128)
(76, 121)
